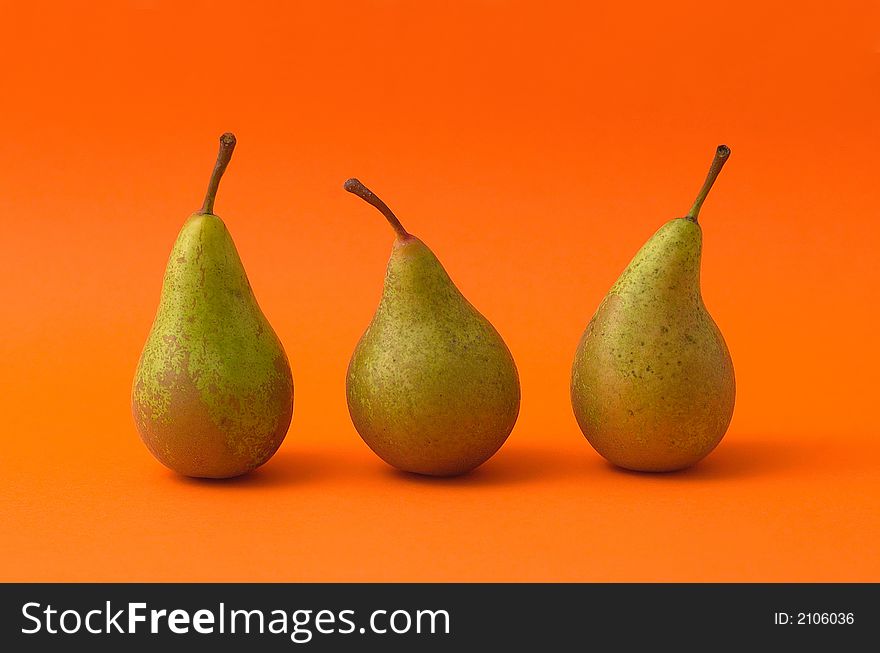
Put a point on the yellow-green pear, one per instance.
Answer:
(431, 387)
(213, 393)
(652, 385)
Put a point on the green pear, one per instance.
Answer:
(431, 386)
(213, 393)
(652, 384)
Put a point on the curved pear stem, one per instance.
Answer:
(356, 187)
(721, 156)
(227, 145)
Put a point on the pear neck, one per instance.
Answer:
(669, 263)
(414, 271)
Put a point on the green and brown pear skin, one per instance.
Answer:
(431, 386)
(652, 383)
(213, 392)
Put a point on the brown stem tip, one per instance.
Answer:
(721, 156)
(227, 145)
(357, 188)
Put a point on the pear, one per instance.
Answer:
(652, 385)
(213, 392)
(431, 387)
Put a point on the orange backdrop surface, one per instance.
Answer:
(535, 146)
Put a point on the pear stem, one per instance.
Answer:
(227, 145)
(356, 187)
(721, 156)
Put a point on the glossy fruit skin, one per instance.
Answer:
(431, 387)
(213, 392)
(652, 384)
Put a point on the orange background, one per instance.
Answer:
(535, 146)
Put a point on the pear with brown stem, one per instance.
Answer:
(213, 393)
(431, 386)
(652, 385)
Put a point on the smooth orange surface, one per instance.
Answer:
(535, 146)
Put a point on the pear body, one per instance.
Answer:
(432, 388)
(652, 383)
(213, 392)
